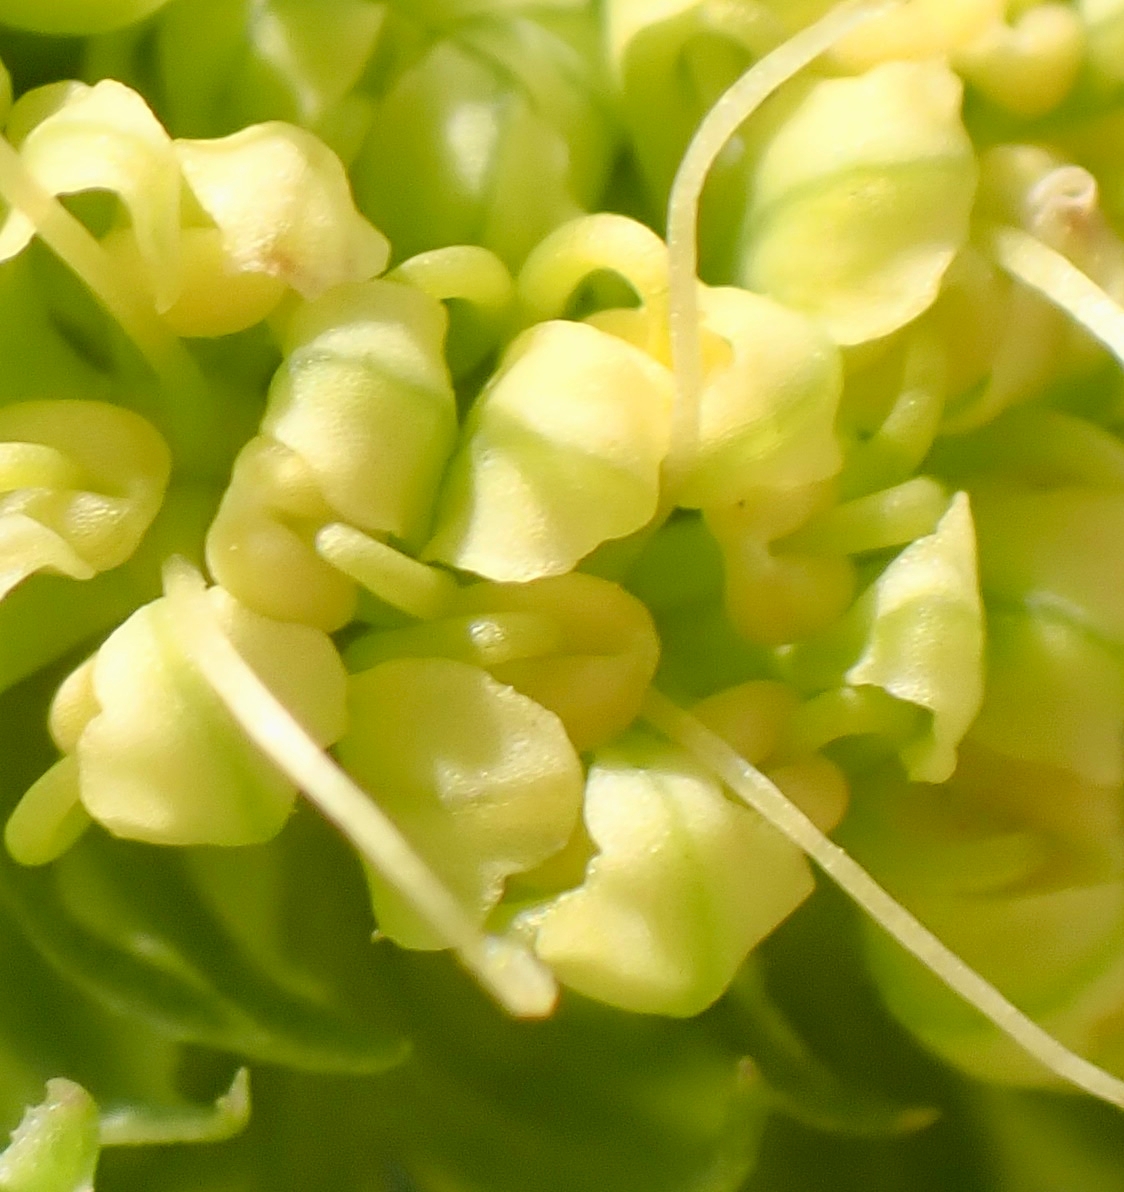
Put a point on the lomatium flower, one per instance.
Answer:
(551, 599)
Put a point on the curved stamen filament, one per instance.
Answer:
(1058, 280)
(73, 244)
(717, 128)
(464, 271)
(414, 588)
(585, 246)
(505, 968)
(750, 785)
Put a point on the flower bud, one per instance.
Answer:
(365, 399)
(80, 483)
(683, 885)
(76, 138)
(481, 780)
(861, 199)
(159, 759)
(261, 545)
(560, 453)
(925, 644)
(281, 199)
(594, 680)
(768, 402)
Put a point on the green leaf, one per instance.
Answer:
(591, 1098)
(802, 1085)
(129, 926)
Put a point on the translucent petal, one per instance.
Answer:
(683, 885)
(282, 201)
(481, 780)
(861, 199)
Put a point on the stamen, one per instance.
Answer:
(464, 271)
(521, 983)
(719, 125)
(764, 797)
(76, 247)
(1060, 281)
(421, 591)
(573, 252)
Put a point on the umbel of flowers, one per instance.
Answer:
(589, 600)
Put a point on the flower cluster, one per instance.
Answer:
(606, 463)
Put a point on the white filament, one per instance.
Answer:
(724, 119)
(74, 245)
(507, 970)
(767, 800)
(1058, 280)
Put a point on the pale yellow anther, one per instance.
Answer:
(918, 30)
(1028, 67)
(74, 138)
(282, 202)
(80, 483)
